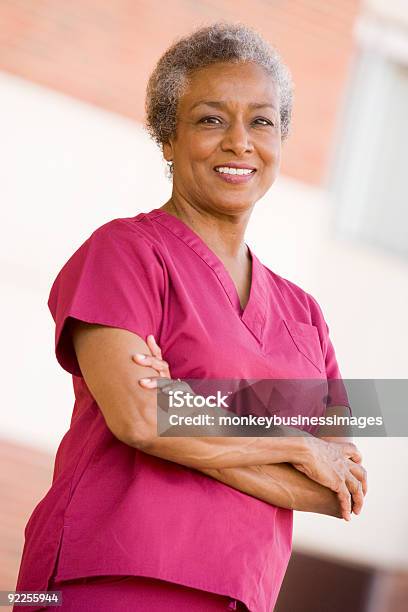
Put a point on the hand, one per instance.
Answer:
(156, 361)
(342, 440)
(337, 466)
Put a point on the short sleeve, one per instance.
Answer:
(337, 394)
(115, 278)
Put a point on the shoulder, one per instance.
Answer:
(116, 251)
(136, 230)
(118, 239)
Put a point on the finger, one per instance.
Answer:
(149, 383)
(153, 346)
(344, 498)
(173, 386)
(148, 360)
(351, 451)
(143, 359)
(361, 494)
(154, 382)
(177, 385)
(355, 488)
(361, 474)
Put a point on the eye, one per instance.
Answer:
(211, 120)
(264, 121)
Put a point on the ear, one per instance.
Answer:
(168, 151)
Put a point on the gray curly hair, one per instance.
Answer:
(220, 42)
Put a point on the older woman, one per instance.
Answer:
(143, 522)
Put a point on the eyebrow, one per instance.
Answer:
(216, 104)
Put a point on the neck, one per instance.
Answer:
(223, 233)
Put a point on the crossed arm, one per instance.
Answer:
(283, 485)
(261, 467)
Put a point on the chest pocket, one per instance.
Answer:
(306, 339)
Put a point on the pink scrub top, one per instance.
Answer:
(114, 510)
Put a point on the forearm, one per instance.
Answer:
(281, 485)
(225, 452)
(217, 451)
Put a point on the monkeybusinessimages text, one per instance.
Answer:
(180, 399)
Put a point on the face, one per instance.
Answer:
(227, 148)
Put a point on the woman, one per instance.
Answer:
(138, 521)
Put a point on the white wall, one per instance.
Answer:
(393, 10)
(67, 168)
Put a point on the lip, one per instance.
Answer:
(235, 179)
(235, 165)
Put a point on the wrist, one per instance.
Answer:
(298, 445)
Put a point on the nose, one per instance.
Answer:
(237, 139)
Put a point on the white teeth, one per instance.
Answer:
(227, 170)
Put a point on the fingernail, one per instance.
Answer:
(139, 356)
(145, 380)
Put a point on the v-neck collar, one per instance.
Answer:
(254, 313)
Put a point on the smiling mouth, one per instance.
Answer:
(235, 175)
(234, 171)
